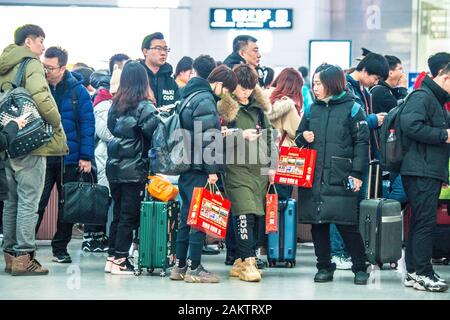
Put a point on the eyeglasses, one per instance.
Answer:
(51, 69)
(160, 49)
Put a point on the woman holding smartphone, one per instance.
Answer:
(335, 126)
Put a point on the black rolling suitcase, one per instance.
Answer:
(441, 244)
(380, 224)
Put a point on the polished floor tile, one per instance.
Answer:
(84, 279)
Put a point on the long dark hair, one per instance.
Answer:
(133, 88)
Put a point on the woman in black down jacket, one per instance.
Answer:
(132, 121)
(336, 128)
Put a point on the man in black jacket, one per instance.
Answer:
(246, 50)
(425, 126)
(159, 72)
(387, 94)
(198, 116)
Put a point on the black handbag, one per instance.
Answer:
(16, 103)
(85, 202)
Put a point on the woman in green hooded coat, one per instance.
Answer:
(248, 151)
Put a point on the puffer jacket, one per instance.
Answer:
(424, 123)
(201, 110)
(7, 134)
(103, 137)
(37, 86)
(128, 150)
(77, 118)
(341, 138)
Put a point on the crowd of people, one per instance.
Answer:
(104, 120)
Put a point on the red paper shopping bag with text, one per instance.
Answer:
(271, 211)
(209, 212)
(296, 166)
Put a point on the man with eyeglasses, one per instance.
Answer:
(26, 175)
(159, 72)
(75, 106)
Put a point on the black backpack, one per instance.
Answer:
(391, 142)
(13, 104)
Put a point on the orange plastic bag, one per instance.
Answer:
(161, 189)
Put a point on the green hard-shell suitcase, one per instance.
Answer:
(157, 235)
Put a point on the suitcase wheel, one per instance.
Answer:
(162, 274)
(150, 270)
(394, 265)
(272, 264)
(446, 261)
(137, 272)
(289, 264)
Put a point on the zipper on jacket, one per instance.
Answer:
(342, 158)
(324, 153)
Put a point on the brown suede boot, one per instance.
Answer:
(249, 272)
(26, 265)
(8, 261)
(236, 269)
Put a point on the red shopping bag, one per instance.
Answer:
(271, 211)
(296, 166)
(209, 212)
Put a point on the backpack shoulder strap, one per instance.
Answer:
(355, 108)
(20, 75)
(307, 111)
(188, 99)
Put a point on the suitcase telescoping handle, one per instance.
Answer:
(377, 177)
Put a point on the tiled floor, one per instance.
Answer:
(84, 279)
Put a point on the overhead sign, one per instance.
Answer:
(239, 18)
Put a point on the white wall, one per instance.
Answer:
(90, 35)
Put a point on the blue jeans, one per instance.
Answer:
(189, 238)
(394, 189)
(337, 243)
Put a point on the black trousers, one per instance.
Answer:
(127, 199)
(423, 196)
(53, 173)
(353, 242)
(247, 232)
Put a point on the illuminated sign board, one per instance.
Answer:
(220, 18)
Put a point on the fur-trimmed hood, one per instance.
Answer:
(280, 107)
(228, 107)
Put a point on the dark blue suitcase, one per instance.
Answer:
(282, 245)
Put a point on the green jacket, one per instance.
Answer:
(246, 181)
(37, 86)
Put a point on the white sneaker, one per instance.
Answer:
(439, 278)
(109, 264)
(410, 279)
(425, 283)
(342, 263)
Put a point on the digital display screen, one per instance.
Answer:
(239, 18)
